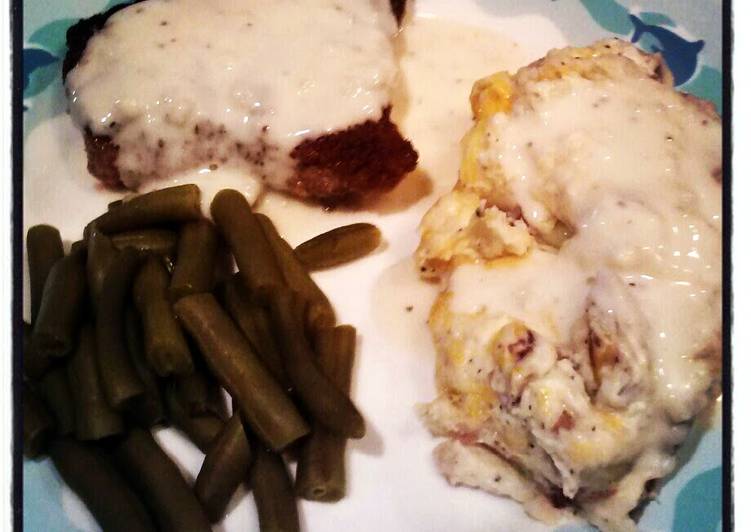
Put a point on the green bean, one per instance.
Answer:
(95, 418)
(254, 322)
(252, 252)
(156, 241)
(166, 349)
(320, 312)
(273, 493)
(34, 364)
(196, 260)
(201, 394)
(202, 429)
(338, 246)
(119, 378)
(91, 475)
(325, 402)
(79, 246)
(44, 248)
(147, 409)
(264, 405)
(320, 472)
(112, 204)
(55, 391)
(62, 307)
(100, 255)
(160, 483)
(38, 425)
(223, 469)
(169, 205)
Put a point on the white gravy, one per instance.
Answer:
(629, 166)
(181, 83)
(439, 61)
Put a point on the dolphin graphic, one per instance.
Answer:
(33, 59)
(699, 504)
(681, 55)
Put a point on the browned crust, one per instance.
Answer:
(78, 35)
(101, 153)
(346, 166)
(337, 168)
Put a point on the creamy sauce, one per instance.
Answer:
(440, 62)
(210, 180)
(580, 361)
(180, 83)
(628, 165)
(513, 289)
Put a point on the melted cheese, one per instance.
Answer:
(179, 83)
(628, 165)
(599, 336)
(521, 288)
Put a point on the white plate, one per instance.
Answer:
(393, 484)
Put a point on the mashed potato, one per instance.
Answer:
(578, 332)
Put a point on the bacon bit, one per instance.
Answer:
(592, 496)
(465, 437)
(565, 422)
(601, 354)
(505, 400)
(523, 346)
(558, 499)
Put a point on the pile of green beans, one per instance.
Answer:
(143, 324)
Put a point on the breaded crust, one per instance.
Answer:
(342, 167)
(78, 35)
(101, 154)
